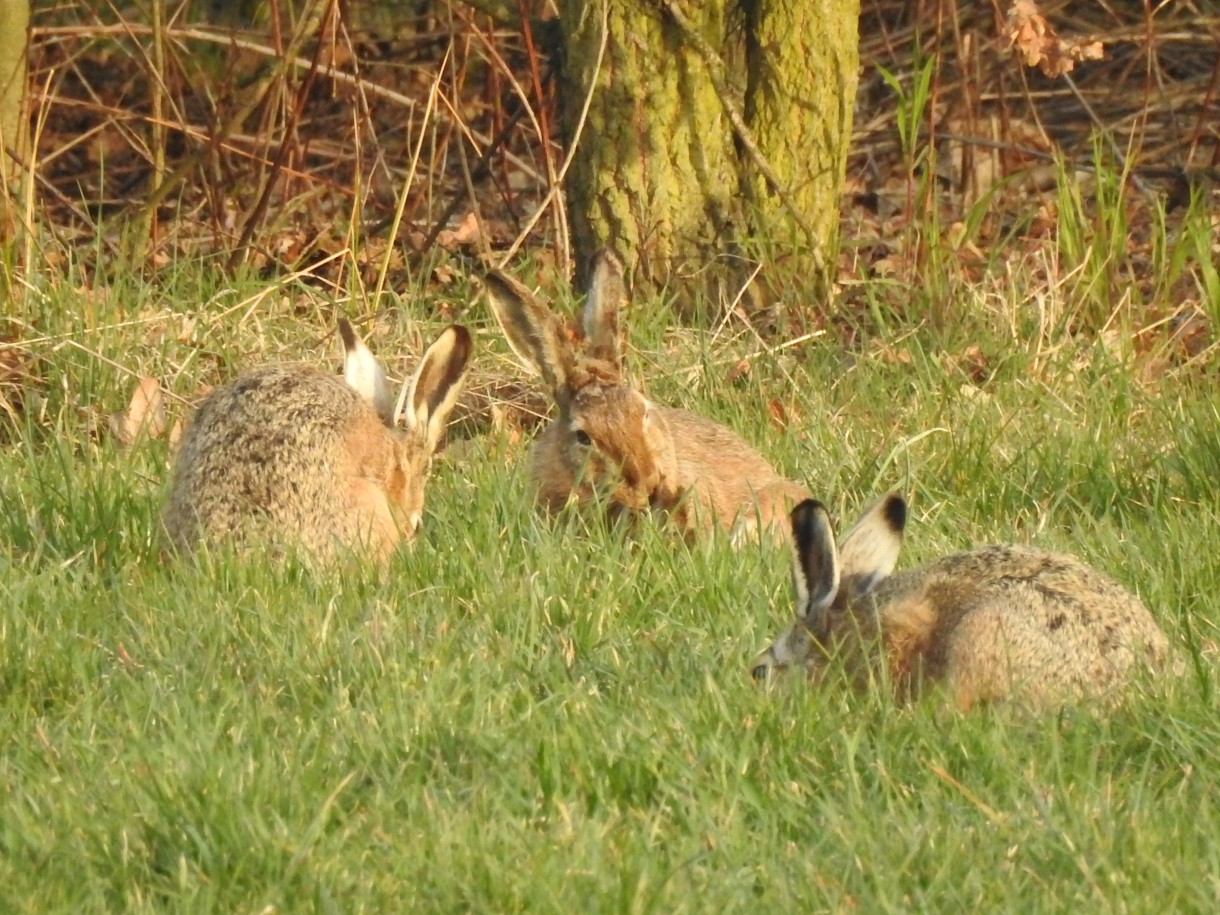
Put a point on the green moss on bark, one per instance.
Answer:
(14, 28)
(659, 172)
(654, 174)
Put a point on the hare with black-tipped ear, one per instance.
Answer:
(993, 623)
(609, 441)
(298, 457)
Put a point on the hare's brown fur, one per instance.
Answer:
(297, 457)
(1010, 619)
(989, 624)
(609, 441)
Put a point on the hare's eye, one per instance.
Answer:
(582, 438)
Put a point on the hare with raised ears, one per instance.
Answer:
(992, 623)
(609, 441)
(294, 455)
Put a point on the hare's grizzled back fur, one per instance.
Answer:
(992, 623)
(609, 441)
(297, 457)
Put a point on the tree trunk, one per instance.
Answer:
(714, 130)
(14, 33)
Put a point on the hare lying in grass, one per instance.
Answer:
(610, 441)
(991, 623)
(293, 455)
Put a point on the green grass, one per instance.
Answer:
(525, 715)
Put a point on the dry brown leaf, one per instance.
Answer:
(444, 275)
(16, 376)
(186, 331)
(467, 231)
(1031, 36)
(145, 415)
(738, 369)
(971, 362)
(777, 413)
(128, 661)
(415, 240)
(883, 352)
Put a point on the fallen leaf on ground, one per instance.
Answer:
(145, 415)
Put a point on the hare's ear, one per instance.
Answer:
(532, 331)
(815, 567)
(434, 388)
(363, 374)
(870, 549)
(607, 295)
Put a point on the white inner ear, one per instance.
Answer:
(870, 550)
(600, 316)
(403, 393)
(364, 375)
(813, 598)
(815, 566)
(800, 591)
(432, 391)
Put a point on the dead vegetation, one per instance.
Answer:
(381, 149)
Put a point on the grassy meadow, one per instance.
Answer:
(521, 714)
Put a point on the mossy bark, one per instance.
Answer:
(14, 34)
(14, 37)
(801, 66)
(659, 171)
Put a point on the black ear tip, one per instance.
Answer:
(808, 518)
(895, 512)
(500, 284)
(463, 344)
(347, 332)
(804, 511)
(461, 336)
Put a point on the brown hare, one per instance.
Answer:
(295, 456)
(609, 441)
(989, 624)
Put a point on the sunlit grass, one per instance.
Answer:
(526, 714)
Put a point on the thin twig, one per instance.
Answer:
(457, 199)
(342, 77)
(264, 199)
(1105, 132)
(531, 53)
(401, 206)
(575, 144)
